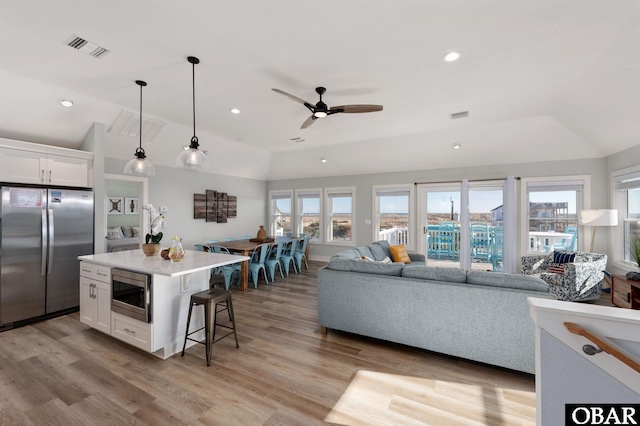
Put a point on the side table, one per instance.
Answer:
(625, 293)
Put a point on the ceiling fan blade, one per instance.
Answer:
(354, 109)
(290, 96)
(308, 122)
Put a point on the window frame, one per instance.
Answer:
(583, 202)
(272, 222)
(375, 225)
(619, 200)
(299, 212)
(328, 221)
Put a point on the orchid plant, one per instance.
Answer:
(155, 224)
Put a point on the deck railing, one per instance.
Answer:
(394, 235)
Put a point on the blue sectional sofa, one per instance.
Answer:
(480, 316)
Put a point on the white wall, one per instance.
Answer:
(596, 168)
(174, 188)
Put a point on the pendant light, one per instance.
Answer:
(191, 157)
(140, 166)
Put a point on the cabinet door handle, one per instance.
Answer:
(95, 295)
(42, 176)
(129, 331)
(49, 176)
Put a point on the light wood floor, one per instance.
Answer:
(60, 372)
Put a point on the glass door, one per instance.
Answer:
(439, 214)
(486, 209)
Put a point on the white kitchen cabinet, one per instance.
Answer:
(23, 162)
(95, 296)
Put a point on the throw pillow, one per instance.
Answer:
(557, 269)
(563, 257)
(377, 252)
(127, 231)
(114, 233)
(386, 260)
(136, 232)
(399, 254)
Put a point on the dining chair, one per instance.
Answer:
(288, 256)
(256, 263)
(273, 260)
(301, 253)
(208, 242)
(198, 247)
(228, 271)
(230, 239)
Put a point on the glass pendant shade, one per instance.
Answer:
(140, 166)
(192, 157)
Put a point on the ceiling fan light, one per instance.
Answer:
(319, 114)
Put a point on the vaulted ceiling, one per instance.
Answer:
(541, 79)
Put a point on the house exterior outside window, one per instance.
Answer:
(281, 212)
(309, 213)
(340, 214)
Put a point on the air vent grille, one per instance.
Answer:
(128, 124)
(297, 140)
(461, 114)
(87, 47)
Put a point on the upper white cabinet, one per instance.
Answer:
(22, 162)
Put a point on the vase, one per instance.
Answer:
(176, 252)
(151, 249)
(262, 233)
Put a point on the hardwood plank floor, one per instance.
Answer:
(285, 372)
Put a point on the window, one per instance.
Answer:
(627, 201)
(340, 214)
(392, 212)
(552, 209)
(309, 211)
(281, 212)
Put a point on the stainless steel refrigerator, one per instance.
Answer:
(42, 233)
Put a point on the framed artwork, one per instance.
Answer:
(222, 201)
(199, 206)
(115, 205)
(212, 206)
(131, 206)
(232, 206)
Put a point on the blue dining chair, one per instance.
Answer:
(228, 271)
(209, 242)
(256, 263)
(273, 260)
(301, 253)
(288, 256)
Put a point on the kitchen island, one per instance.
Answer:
(165, 298)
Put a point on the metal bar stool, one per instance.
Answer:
(210, 299)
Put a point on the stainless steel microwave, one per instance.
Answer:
(131, 294)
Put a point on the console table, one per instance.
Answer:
(625, 293)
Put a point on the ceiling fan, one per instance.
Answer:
(320, 109)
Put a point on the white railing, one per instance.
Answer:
(395, 235)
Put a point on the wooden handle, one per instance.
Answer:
(607, 347)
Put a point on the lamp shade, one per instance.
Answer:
(140, 167)
(192, 158)
(599, 217)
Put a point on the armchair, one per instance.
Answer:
(580, 279)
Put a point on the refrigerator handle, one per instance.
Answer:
(51, 244)
(43, 260)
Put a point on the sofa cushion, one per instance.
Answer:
(115, 233)
(435, 273)
(378, 268)
(365, 252)
(348, 254)
(385, 246)
(377, 252)
(515, 281)
(399, 254)
(338, 263)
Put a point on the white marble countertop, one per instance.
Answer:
(136, 260)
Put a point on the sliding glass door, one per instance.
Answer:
(439, 213)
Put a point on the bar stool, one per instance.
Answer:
(210, 299)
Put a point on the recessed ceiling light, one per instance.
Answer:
(324, 160)
(235, 111)
(451, 57)
(65, 103)
(457, 146)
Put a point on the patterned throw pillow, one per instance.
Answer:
(114, 233)
(399, 254)
(557, 268)
(563, 257)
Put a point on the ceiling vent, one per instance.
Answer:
(128, 124)
(87, 47)
(461, 114)
(297, 140)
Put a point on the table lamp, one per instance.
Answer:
(598, 217)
